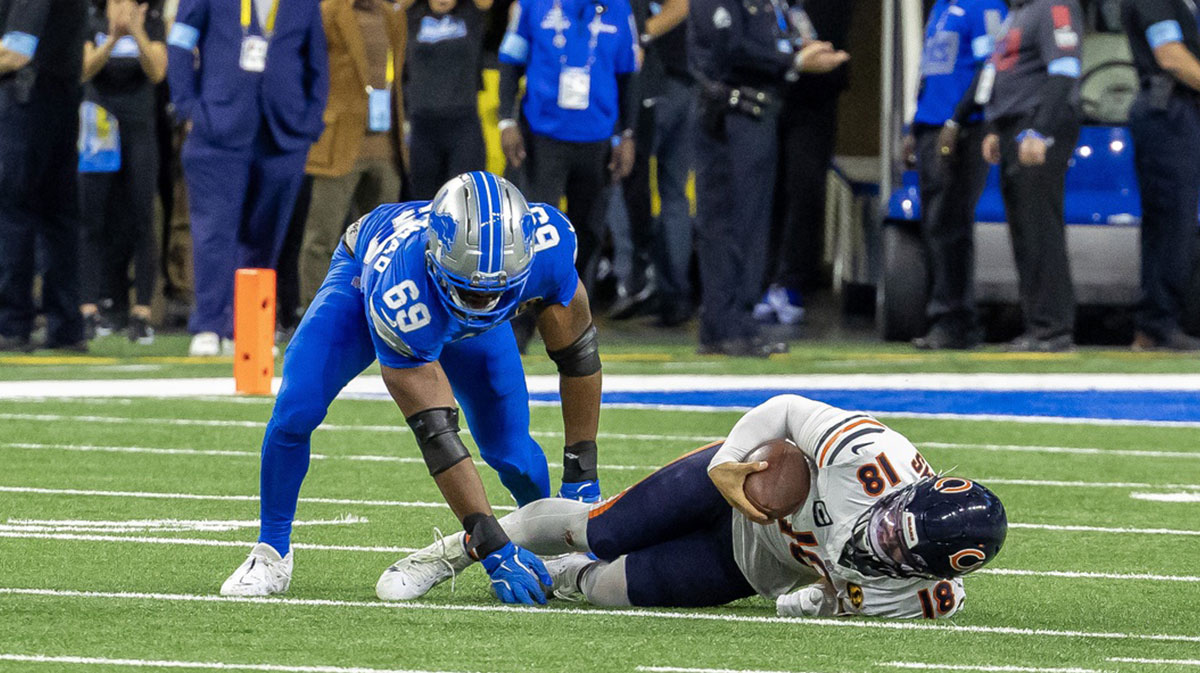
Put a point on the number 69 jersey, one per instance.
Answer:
(409, 322)
(855, 460)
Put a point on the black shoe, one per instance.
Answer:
(757, 347)
(80, 346)
(15, 344)
(1176, 341)
(140, 331)
(945, 339)
(674, 314)
(1028, 343)
(96, 325)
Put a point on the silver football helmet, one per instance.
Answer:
(480, 250)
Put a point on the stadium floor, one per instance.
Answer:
(120, 516)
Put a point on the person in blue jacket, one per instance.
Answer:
(250, 77)
(947, 131)
(428, 288)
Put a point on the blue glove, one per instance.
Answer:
(583, 491)
(516, 574)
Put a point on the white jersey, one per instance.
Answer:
(854, 460)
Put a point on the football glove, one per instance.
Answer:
(517, 575)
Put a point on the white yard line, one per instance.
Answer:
(1013, 572)
(694, 439)
(412, 460)
(197, 665)
(624, 614)
(1161, 662)
(680, 669)
(225, 423)
(1103, 529)
(922, 666)
(1067, 574)
(438, 505)
(232, 498)
(1167, 497)
(194, 542)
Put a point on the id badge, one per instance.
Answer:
(574, 88)
(987, 81)
(379, 110)
(254, 54)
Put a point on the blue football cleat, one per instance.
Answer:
(583, 491)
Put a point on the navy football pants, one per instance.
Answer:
(675, 530)
(333, 344)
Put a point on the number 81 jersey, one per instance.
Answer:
(854, 461)
(409, 322)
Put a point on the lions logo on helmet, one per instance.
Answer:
(480, 250)
(937, 528)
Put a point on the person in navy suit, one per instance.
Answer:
(251, 79)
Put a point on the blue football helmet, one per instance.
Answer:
(480, 249)
(937, 528)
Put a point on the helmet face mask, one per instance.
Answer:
(480, 248)
(937, 528)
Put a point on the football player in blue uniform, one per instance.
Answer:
(428, 288)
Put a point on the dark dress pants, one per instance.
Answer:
(735, 181)
(1166, 145)
(39, 208)
(950, 190)
(1033, 203)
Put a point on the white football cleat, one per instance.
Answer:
(566, 571)
(205, 344)
(263, 573)
(414, 575)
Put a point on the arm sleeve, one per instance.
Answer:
(186, 35)
(513, 57)
(316, 75)
(1059, 44)
(1157, 21)
(628, 98)
(750, 55)
(23, 30)
(510, 84)
(796, 418)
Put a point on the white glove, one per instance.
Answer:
(811, 601)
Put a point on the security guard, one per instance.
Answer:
(41, 43)
(1031, 86)
(1164, 36)
(740, 52)
(946, 135)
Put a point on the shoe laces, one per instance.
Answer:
(439, 539)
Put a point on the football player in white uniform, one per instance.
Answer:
(880, 534)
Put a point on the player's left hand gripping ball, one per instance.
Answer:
(517, 575)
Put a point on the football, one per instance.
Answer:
(781, 489)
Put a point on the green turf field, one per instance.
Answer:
(116, 532)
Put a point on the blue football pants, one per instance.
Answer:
(333, 344)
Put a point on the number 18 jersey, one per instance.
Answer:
(854, 460)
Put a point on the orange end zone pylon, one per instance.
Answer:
(253, 331)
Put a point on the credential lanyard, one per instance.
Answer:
(560, 40)
(391, 71)
(247, 7)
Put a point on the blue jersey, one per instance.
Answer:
(409, 322)
(958, 39)
(585, 43)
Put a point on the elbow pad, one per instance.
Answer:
(436, 430)
(581, 358)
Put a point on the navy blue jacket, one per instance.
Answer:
(226, 104)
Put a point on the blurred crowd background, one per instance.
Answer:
(149, 149)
